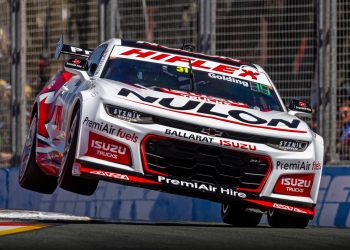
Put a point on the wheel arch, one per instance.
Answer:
(76, 105)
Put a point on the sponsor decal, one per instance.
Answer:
(76, 169)
(306, 109)
(211, 132)
(188, 136)
(309, 211)
(242, 117)
(289, 208)
(127, 136)
(110, 174)
(228, 79)
(110, 129)
(125, 114)
(295, 184)
(300, 165)
(202, 187)
(104, 148)
(100, 126)
(173, 49)
(102, 61)
(316, 165)
(240, 145)
(107, 147)
(201, 97)
(76, 61)
(79, 50)
(118, 176)
(128, 115)
(302, 104)
(171, 59)
(93, 92)
(292, 145)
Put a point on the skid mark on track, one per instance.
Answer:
(7, 228)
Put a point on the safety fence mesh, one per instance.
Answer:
(343, 81)
(166, 22)
(281, 36)
(46, 20)
(5, 84)
(277, 35)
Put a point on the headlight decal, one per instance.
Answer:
(288, 145)
(128, 114)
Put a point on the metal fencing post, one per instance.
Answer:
(213, 27)
(319, 85)
(17, 75)
(110, 22)
(206, 23)
(13, 73)
(103, 19)
(6, 88)
(23, 78)
(333, 80)
(325, 111)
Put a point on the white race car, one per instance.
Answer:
(172, 120)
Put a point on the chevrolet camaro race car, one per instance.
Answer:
(173, 120)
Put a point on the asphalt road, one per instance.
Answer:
(99, 235)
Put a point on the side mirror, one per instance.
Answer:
(77, 67)
(299, 108)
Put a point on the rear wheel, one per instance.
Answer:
(65, 179)
(239, 216)
(30, 175)
(281, 220)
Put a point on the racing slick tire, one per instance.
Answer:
(239, 216)
(65, 179)
(281, 220)
(30, 175)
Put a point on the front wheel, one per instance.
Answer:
(30, 175)
(65, 178)
(239, 216)
(281, 220)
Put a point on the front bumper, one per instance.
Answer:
(205, 178)
(214, 193)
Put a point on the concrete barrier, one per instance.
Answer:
(113, 201)
(109, 201)
(333, 207)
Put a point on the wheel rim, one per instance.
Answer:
(225, 208)
(270, 212)
(28, 146)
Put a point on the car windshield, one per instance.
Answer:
(156, 75)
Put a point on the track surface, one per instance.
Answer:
(174, 236)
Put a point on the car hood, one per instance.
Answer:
(203, 110)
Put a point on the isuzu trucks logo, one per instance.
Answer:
(295, 184)
(107, 149)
